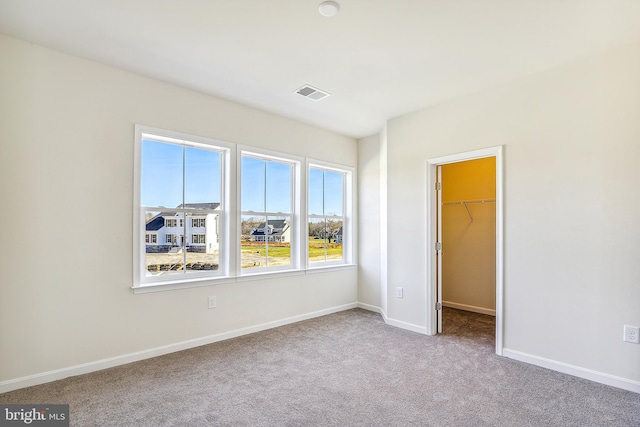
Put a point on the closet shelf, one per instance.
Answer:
(469, 202)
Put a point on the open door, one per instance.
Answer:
(438, 247)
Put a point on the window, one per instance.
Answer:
(267, 204)
(328, 211)
(186, 188)
(180, 177)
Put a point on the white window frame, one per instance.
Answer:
(227, 226)
(230, 217)
(296, 184)
(348, 215)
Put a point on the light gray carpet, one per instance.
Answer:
(345, 369)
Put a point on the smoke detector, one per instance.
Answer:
(328, 8)
(311, 92)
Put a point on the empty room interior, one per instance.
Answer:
(299, 212)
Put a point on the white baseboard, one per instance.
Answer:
(466, 307)
(393, 322)
(85, 368)
(369, 307)
(576, 371)
(405, 325)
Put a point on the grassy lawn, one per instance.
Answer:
(316, 251)
(274, 251)
(254, 255)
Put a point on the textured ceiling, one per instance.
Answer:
(378, 59)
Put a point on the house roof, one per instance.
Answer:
(198, 206)
(275, 226)
(155, 223)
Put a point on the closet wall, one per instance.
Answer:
(468, 235)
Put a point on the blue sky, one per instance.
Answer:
(327, 184)
(162, 174)
(266, 185)
(162, 181)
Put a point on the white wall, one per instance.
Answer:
(369, 238)
(571, 139)
(66, 189)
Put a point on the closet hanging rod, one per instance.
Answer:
(463, 202)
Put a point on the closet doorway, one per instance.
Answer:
(465, 237)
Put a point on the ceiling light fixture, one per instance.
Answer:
(328, 8)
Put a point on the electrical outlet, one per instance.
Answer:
(212, 302)
(399, 292)
(631, 334)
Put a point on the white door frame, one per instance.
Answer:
(432, 235)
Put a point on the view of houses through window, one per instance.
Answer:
(182, 196)
(180, 182)
(267, 211)
(326, 214)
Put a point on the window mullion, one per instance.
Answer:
(324, 213)
(183, 213)
(266, 217)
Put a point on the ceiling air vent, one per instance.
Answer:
(312, 92)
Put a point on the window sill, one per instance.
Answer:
(181, 284)
(328, 268)
(284, 273)
(186, 284)
(268, 275)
